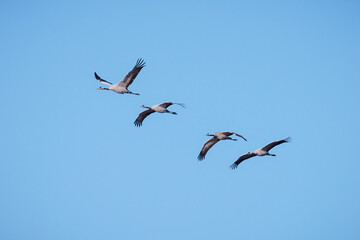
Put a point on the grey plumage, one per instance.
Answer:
(259, 152)
(122, 86)
(160, 108)
(216, 137)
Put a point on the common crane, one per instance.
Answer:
(160, 108)
(216, 137)
(122, 86)
(259, 152)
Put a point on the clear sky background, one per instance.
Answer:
(73, 165)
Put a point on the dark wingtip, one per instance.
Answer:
(288, 139)
(140, 63)
(96, 76)
(243, 138)
(201, 157)
(137, 123)
(181, 104)
(233, 166)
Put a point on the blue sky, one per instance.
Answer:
(73, 166)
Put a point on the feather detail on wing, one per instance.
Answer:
(206, 147)
(167, 104)
(102, 80)
(242, 158)
(142, 116)
(273, 144)
(240, 136)
(230, 133)
(129, 78)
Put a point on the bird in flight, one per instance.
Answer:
(122, 86)
(160, 108)
(259, 152)
(216, 137)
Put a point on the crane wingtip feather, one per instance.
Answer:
(137, 124)
(201, 157)
(233, 166)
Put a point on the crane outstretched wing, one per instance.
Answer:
(102, 80)
(242, 158)
(206, 147)
(129, 78)
(167, 104)
(273, 144)
(142, 116)
(230, 133)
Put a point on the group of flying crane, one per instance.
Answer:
(122, 88)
